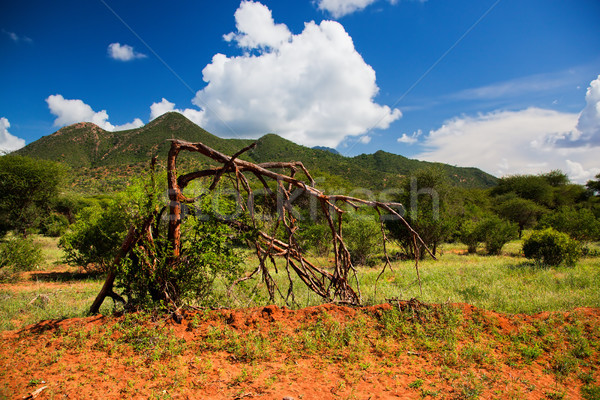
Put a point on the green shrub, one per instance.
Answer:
(550, 247)
(315, 237)
(579, 224)
(362, 235)
(94, 239)
(207, 254)
(469, 234)
(54, 225)
(19, 254)
(496, 232)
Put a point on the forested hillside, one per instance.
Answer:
(102, 160)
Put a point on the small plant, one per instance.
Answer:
(551, 248)
(590, 392)
(54, 225)
(416, 384)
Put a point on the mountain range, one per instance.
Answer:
(101, 160)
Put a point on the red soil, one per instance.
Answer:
(88, 359)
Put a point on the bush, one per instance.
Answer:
(19, 254)
(550, 247)
(579, 224)
(207, 254)
(96, 235)
(362, 235)
(315, 237)
(54, 225)
(469, 234)
(496, 232)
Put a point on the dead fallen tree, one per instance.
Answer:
(331, 284)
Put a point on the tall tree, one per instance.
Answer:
(27, 189)
(431, 208)
(594, 185)
(523, 212)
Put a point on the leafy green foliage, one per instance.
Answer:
(18, 254)
(432, 210)
(523, 212)
(207, 254)
(531, 187)
(593, 185)
(27, 189)
(316, 237)
(362, 235)
(496, 232)
(54, 225)
(94, 239)
(552, 248)
(580, 224)
(470, 235)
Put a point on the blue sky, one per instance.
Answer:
(509, 86)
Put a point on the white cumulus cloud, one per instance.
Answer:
(8, 142)
(502, 142)
(313, 88)
(123, 52)
(339, 8)
(529, 141)
(366, 139)
(256, 27)
(69, 112)
(165, 106)
(136, 123)
(588, 125)
(412, 139)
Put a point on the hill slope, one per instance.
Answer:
(93, 152)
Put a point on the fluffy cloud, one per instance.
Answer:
(8, 142)
(165, 106)
(123, 52)
(366, 139)
(256, 27)
(412, 139)
(511, 142)
(339, 8)
(72, 111)
(136, 123)
(313, 88)
(588, 126)
(528, 141)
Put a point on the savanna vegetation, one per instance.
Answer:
(526, 244)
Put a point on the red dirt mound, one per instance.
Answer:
(405, 350)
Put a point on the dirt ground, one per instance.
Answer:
(406, 350)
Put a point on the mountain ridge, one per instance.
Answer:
(86, 147)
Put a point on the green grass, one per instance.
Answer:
(50, 292)
(506, 283)
(38, 303)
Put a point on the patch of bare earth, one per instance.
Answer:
(403, 351)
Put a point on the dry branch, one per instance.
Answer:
(330, 286)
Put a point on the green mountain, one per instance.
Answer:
(101, 160)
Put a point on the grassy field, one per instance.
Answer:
(507, 283)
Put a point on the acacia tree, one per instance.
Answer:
(525, 213)
(280, 189)
(28, 188)
(432, 211)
